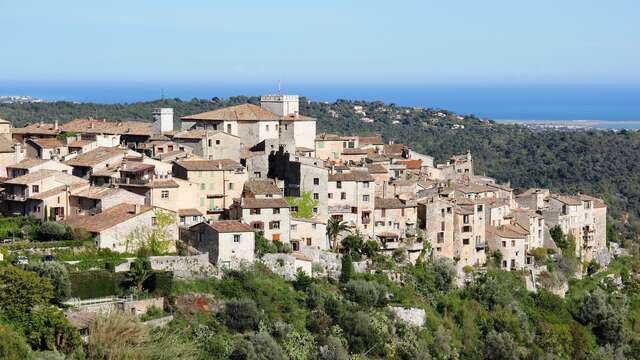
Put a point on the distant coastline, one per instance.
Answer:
(575, 124)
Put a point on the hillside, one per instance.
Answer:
(601, 163)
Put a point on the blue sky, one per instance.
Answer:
(458, 41)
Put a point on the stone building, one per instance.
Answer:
(351, 198)
(229, 243)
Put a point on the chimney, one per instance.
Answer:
(219, 165)
(136, 209)
(55, 125)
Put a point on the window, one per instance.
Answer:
(164, 194)
(276, 211)
(230, 186)
(315, 211)
(365, 184)
(35, 188)
(330, 195)
(343, 196)
(442, 226)
(314, 226)
(254, 211)
(504, 244)
(448, 210)
(384, 212)
(257, 174)
(217, 142)
(466, 228)
(339, 184)
(202, 186)
(210, 143)
(294, 227)
(513, 243)
(154, 221)
(267, 127)
(442, 212)
(308, 239)
(316, 196)
(229, 128)
(294, 209)
(479, 208)
(274, 225)
(194, 218)
(354, 210)
(465, 241)
(316, 181)
(236, 237)
(365, 198)
(440, 237)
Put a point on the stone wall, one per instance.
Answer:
(410, 316)
(185, 267)
(286, 265)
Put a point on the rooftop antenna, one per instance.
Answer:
(161, 94)
(279, 87)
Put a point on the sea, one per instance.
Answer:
(607, 106)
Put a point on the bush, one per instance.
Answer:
(13, 345)
(116, 336)
(502, 346)
(332, 349)
(259, 346)
(59, 276)
(347, 268)
(367, 293)
(240, 315)
(51, 231)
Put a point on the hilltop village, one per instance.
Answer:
(226, 175)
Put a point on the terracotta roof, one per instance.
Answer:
(370, 140)
(353, 175)
(209, 165)
(334, 137)
(377, 169)
(411, 164)
(163, 183)
(97, 193)
(377, 158)
(3, 121)
(93, 157)
(303, 149)
(391, 203)
(244, 112)
(49, 193)
(262, 187)
(80, 143)
(356, 151)
(226, 226)
(6, 144)
(395, 149)
(509, 231)
(91, 126)
(253, 203)
(199, 134)
(464, 209)
(27, 163)
(36, 129)
(135, 166)
(108, 218)
(569, 200)
(189, 212)
(48, 143)
(43, 174)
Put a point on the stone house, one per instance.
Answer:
(351, 198)
(46, 148)
(395, 218)
(209, 144)
(510, 240)
(118, 227)
(93, 200)
(436, 218)
(98, 160)
(43, 194)
(469, 237)
(308, 233)
(218, 183)
(28, 166)
(229, 243)
(269, 215)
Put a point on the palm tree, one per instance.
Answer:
(334, 228)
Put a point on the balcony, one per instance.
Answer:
(410, 231)
(366, 221)
(15, 197)
(481, 245)
(215, 210)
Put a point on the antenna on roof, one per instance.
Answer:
(279, 87)
(161, 94)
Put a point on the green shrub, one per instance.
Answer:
(59, 276)
(13, 345)
(51, 231)
(367, 293)
(347, 268)
(240, 315)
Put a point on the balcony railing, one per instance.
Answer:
(15, 197)
(480, 245)
(215, 210)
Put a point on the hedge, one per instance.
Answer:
(94, 284)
